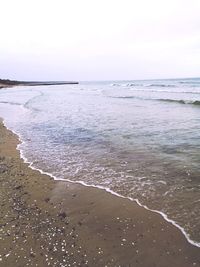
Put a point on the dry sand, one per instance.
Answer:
(50, 223)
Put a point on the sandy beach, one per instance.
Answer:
(52, 223)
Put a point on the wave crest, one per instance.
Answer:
(181, 101)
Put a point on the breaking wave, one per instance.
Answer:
(161, 85)
(142, 85)
(181, 101)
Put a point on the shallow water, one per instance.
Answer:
(140, 139)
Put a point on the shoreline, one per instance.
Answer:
(107, 190)
(65, 223)
(82, 183)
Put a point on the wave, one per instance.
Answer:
(190, 82)
(165, 91)
(161, 85)
(28, 104)
(178, 101)
(115, 84)
(160, 88)
(25, 105)
(172, 101)
(197, 102)
(134, 84)
(181, 101)
(11, 103)
(143, 85)
(127, 84)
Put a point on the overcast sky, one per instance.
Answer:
(99, 39)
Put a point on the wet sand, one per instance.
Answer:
(52, 223)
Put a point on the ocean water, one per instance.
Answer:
(139, 139)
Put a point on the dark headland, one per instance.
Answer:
(9, 83)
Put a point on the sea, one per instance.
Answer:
(136, 139)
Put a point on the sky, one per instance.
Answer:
(99, 39)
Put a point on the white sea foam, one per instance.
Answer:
(30, 164)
